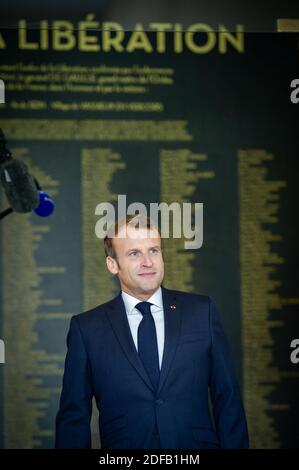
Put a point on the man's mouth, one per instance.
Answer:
(146, 274)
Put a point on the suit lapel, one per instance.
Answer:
(172, 320)
(172, 324)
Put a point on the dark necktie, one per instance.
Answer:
(147, 343)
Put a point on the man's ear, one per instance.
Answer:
(112, 264)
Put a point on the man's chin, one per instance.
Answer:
(148, 286)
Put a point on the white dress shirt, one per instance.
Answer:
(135, 317)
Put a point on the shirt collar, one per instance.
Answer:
(130, 301)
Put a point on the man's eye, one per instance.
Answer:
(155, 250)
(133, 253)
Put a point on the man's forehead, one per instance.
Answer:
(133, 233)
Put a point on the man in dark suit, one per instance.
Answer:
(152, 358)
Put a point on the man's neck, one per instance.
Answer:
(140, 296)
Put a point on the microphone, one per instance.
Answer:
(22, 190)
(46, 204)
(19, 186)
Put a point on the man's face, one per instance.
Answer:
(139, 263)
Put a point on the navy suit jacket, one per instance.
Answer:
(102, 361)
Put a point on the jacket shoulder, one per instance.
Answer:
(189, 296)
(94, 315)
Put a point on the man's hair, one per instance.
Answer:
(136, 221)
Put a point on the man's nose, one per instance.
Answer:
(146, 260)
